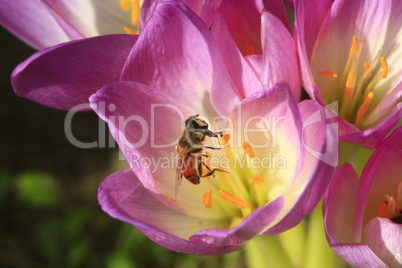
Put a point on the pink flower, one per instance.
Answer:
(146, 86)
(349, 55)
(363, 216)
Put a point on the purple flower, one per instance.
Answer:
(349, 55)
(146, 86)
(363, 216)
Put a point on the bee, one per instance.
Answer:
(190, 152)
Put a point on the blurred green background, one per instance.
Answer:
(49, 215)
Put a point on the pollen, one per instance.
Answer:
(207, 198)
(328, 73)
(234, 200)
(363, 108)
(384, 67)
(225, 139)
(248, 149)
(128, 30)
(257, 180)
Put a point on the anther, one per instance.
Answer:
(234, 200)
(135, 11)
(353, 48)
(349, 85)
(247, 148)
(384, 67)
(128, 30)
(363, 108)
(125, 5)
(225, 139)
(207, 198)
(257, 180)
(328, 73)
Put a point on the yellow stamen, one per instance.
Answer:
(367, 68)
(349, 85)
(128, 30)
(353, 47)
(125, 5)
(328, 73)
(384, 67)
(257, 180)
(234, 200)
(363, 108)
(135, 11)
(207, 198)
(225, 139)
(247, 148)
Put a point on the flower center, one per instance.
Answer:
(236, 192)
(356, 83)
(391, 208)
(135, 7)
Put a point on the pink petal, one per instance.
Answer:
(33, 22)
(280, 59)
(250, 226)
(340, 206)
(123, 197)
(358, 255)
(384, 237)
(312, 177)
(308, 19)
(183, 63)
(242, 74)
(146, 124)
(244, 23)
(205, 9)
(66, 75)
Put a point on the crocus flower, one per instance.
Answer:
(146, 86)
(350, 57)
(363, 217)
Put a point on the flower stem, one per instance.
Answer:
(266, 251)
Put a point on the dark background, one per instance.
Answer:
(49, 215)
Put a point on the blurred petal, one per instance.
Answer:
(32, 22)
(280, 59)
(92, 18)
(384, 237)
(66, 75)
(123, 197)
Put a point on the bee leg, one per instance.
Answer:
(211, 172)
(205, 165)
(213, 148)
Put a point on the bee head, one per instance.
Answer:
(195, 124)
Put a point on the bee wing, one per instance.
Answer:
(179, 179)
